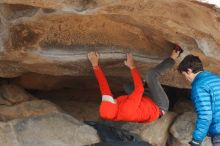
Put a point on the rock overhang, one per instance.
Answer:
(48, 39)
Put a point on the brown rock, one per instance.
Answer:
(1, 25)
(183, 106)
(57, 43)
(27, 109)
(182, 129)
(16, 11)
(156, 133)
(4, 102)
(14, 94)
(54, 129)
(45, 82)
(84, 111)
(66, 5)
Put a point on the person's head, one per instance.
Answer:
(190, 66)
(108, 110)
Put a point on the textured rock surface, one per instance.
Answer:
(183, 106)
(14, 94)
(4, 102)
(53, 37)
(156, 133)
(27, 109)
(182, 129)
(48, 130)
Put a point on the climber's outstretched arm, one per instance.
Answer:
(103, 84)
(135, 97)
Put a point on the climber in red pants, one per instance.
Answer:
(133, 107)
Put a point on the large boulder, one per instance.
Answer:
(55, 129)
(156, 133)
(181, 130)
(54, 37)
(26, 109)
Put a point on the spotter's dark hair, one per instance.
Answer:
(190, 62)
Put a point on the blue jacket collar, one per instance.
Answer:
(200, 75)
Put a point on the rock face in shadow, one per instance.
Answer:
(183, 106)
(54, 37)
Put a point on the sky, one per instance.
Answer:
(215, 2)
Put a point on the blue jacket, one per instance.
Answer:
(206, 99)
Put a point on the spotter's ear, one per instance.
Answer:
(189, 71)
